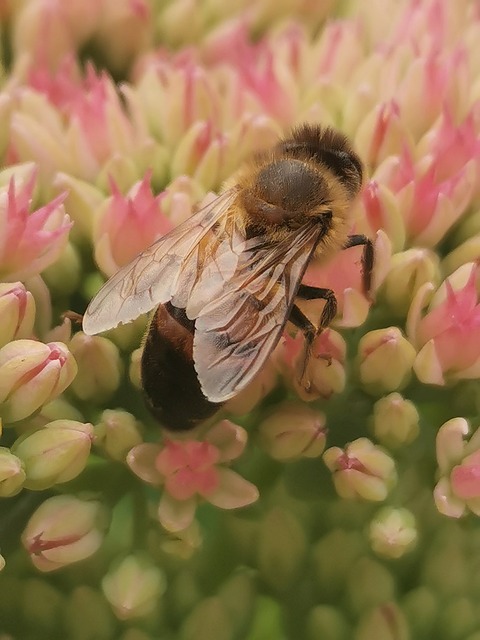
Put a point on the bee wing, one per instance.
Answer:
(164, 271)
(235, 333)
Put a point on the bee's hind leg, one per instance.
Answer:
(310, 332)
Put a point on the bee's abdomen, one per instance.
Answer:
(170, 383)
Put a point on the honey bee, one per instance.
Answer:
(225, 282)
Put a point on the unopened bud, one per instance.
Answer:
(17, 312)
(393, 532)
(133, 587)
(12, 473)
(395, 421)
(362, 470)
(31, 375)
(293, 431)
(385, 360)
(99, 367)
(64, 530)
(54, 454)
(117, 432)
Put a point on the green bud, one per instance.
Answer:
(267, 620)
(385, 622)
(17, 312)
(457, 618)
(133, 587)
(64, 530)
(55, 454)
(209, 619)
(395, 421)
(238, 596)
(82, 200)
(369, 584)
(281, 548)
(293, 431)
(99, 367)
(327, 623)
(421, 609)
(12, 473)
(32, 374)
(117, 432)
(446, 568)
(409, 270)
(393, 532)
(41, 607)
(87, 616)
(64, 275)
(332, 558)
(385, 360)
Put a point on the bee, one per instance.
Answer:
(225, 282)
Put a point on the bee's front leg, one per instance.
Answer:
(310, 332)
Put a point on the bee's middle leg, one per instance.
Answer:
(310, 332)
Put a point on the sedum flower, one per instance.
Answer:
(448, 336)
(32, 374)
(29, 241)
(192, 470)
(125, 225)
(362, 470)
(64, 530)
(133, 587)
(293, 431)
(54, 454)
(459, 468)
(17, 312)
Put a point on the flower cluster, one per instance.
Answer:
(119, 119)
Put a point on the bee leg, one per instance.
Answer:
(310, 332)
(367, 258)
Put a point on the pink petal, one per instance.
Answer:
(142, 461)
(233, 491)
(175, 515)
(228, 438)
(465, 479)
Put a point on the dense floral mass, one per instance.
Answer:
(348, 510)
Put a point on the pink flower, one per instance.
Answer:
(128, 224)
(429, 203)
(201, 154)
(191, 471)
(459, 464)
(261, 68)
(382, 133)
(29, 242)
(98, 121)
(448, 336)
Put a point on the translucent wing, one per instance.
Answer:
(236, 332)
(169, 268)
